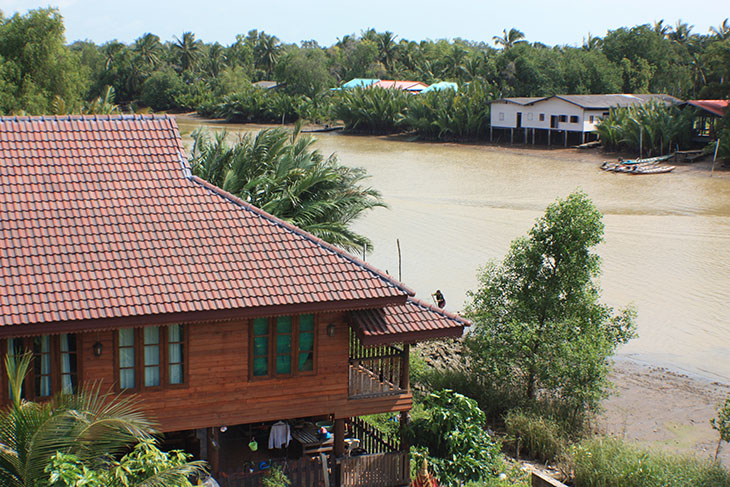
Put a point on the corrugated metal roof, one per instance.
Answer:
(442, 85)
(519, 100)
(412, 321)
(598, 102)
(716, 107)
(100, 219)
(354, 83)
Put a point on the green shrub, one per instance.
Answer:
(609, 462)
(371, 110)
(452, 437)
(275, 477)
(537, 436)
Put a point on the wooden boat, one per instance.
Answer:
(648, 160)
(641, 168)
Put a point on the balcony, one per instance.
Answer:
(377, 371)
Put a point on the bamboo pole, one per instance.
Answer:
(397, 241)
(714, 158)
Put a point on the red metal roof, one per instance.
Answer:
(100, 219)
(400, 85)
(415, 320)
(717, 107)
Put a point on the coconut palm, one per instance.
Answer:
(148, 48)
(89, 427)
(285, 176)
(660, 28)
(387, 49)
(266, 51)
(187, 49)
(722, 31)
(681, 32)
(509, 39)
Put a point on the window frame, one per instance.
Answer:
(56, 374)
(164, 359)
(271, 355)
(574, 119)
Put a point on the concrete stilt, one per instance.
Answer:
(511, 136)
(565, 143)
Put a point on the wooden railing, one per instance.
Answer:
(376, 371)
(371, 439)
(304, 472)
(377, 470)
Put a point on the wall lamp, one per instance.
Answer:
(331, 330)
(98, 349)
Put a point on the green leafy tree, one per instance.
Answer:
(35, 65)
(540, 331)
(285, 176)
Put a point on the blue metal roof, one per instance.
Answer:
(442, 85)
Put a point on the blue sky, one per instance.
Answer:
(550, 22)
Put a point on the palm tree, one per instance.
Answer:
(188, 50)
(722, 32)
(266, 52)
(286, 177)
(387, 49)
(89, 426)
(509, 39)
(592, 43)
(112, 51)
(148, 48)
(215, 60)
(681, 32)
(660, 29)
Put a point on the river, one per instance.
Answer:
(454, 207)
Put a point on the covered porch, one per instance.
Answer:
(365, 457)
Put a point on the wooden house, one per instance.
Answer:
(559, 116)
(118, 265)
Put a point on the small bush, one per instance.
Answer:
(608, 462)
(537, 436)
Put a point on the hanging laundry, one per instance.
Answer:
(279, 436)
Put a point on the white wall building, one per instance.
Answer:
(560, 113)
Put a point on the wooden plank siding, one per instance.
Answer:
(219, 391)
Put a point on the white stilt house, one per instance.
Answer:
(564, 116)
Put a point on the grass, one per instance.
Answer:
(609, 462)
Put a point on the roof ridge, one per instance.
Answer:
(441, 311)
(298, 231)
(95, 117)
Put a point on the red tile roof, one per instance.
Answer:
(717, 107)
(415, 320)
(100, 219)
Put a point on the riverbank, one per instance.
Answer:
(588, 156)
(662, 409)
(651, 406)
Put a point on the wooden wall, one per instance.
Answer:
(219, 392)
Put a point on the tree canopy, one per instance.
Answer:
(284, 175)
(540, 331)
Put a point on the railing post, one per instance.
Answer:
(405, 374)
(339, 437)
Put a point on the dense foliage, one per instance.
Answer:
(73, 440)
(608, 462)
(452, 436)
(38, 71)
(540, 332)
(284, 175)
(651, 129)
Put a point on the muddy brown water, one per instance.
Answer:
(454, 207)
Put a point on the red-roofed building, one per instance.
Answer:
(409, 86)
(709, 113)
(117, 265)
